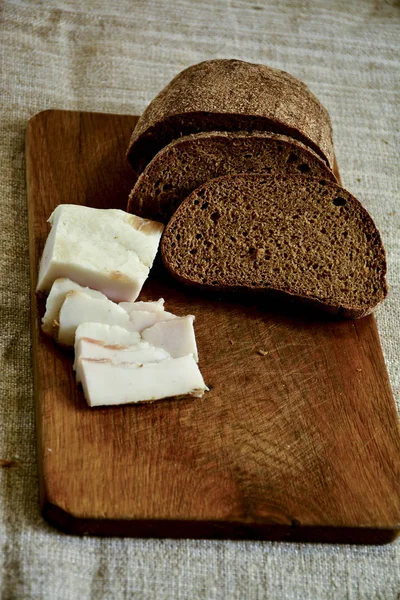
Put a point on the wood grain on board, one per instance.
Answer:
(298, 438)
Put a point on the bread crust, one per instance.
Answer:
(189, 161)
(231, 95)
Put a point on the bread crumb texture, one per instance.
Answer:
(190, 161)
(306, 237)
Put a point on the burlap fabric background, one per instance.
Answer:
(54, 54)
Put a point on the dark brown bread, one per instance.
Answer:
(304, 237)
(231, 95)
(190, 161)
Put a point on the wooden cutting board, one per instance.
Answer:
(298, 438)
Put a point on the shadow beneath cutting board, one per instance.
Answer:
(230, 530)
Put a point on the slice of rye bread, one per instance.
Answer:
(190, 161)
(231, 95)
(288, 234)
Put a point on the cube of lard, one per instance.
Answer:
(176, 336)
(107, 250)
(55, 299)
(140, 353)
(105, 383)
(79, 308)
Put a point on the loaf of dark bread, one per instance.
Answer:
(231, 95)
(190, 161)
(306, 238)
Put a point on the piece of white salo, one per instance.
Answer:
(105, 249)
(176, 336)
(144, 314)
(111, 335)
(142, 352)
(105, 383)
(108, 335)
(140, 319)
(79, 308)
(55, 299)
(151, 306)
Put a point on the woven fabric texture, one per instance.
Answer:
(114, 57)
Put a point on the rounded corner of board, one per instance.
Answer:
(39, 116)
(59, 518)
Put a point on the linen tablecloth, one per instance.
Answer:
(114, 57)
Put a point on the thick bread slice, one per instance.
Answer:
(190, 161)
(231, 95)
(303, 237)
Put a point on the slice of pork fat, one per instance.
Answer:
(176, 336)
(155, 306)
(55, 299)
(105, 383)
(79, 308)
(105, 249)
(108, 335)
(140, 353)
(140, 319)
(144, 314)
